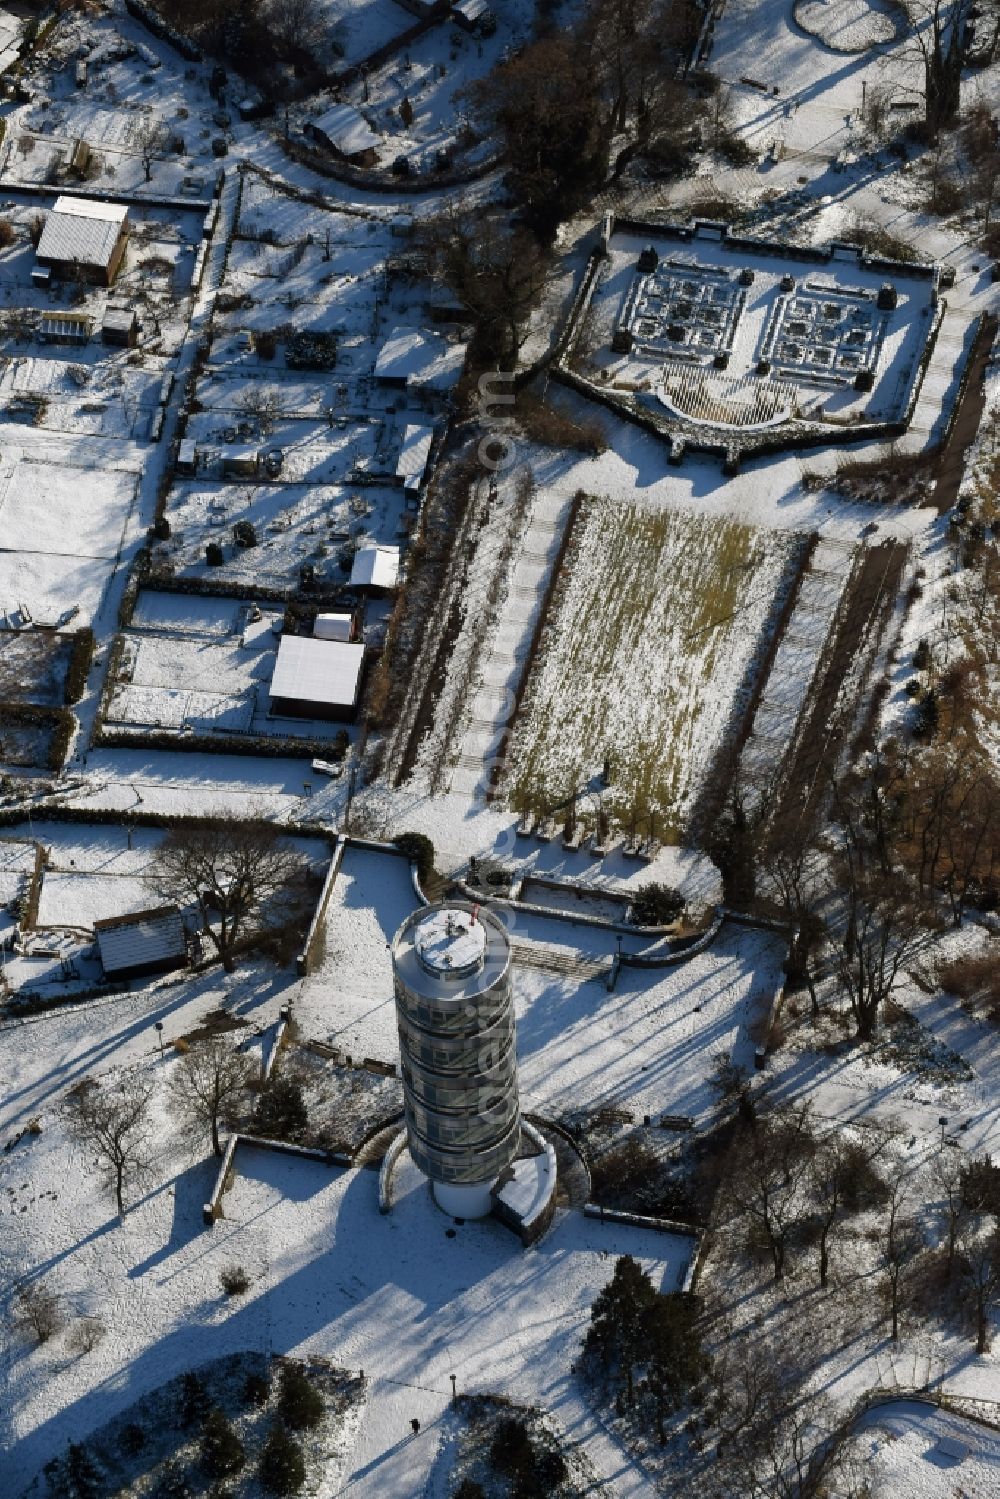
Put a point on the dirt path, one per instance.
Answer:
(972, 403)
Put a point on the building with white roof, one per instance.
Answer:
(83, 237)
(317, 678)
(375, 567)
(333, 627)
(142, 943)
(474, 15)
(414, 360)
(345, 131)
(414, 454)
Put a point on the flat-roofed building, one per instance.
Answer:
(317, 678)
(120, 325)
(375, 567)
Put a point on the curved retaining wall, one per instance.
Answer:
(389, 1163)
(531, 1224)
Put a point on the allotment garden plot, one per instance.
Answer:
(200, 665)
(61, 530)
(655, 634)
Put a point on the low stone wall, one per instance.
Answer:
(573, 918)
(105, 195)
(207, 233)
(655, 960)
(274, 1050)
(923, 270)
(655, 1225)
(303, 962)
(727, 443)
(213, 1209)
(276, 746)
(732, 444)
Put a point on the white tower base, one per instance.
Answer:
(472, 1201)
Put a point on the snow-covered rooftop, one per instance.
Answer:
(414, 357)
(141, 941)
(82, 229)
(346, 129)
(375, 567)
(413, 455)
(333, 627)
(470, 10)
(317, 671)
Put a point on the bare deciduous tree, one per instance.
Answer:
(980, 1259)
(38, 1311)
(937, 31)
(749, 1385)
(261, 404)
(206, 1085)
(84, 1335)
(236, 873)
(877, 101)
(979, 137)
(901, 1245)
(790, 874)
(630, 41)
(795, 1454)
(296, 24)
(113, 1119)
(948, 1173)
(494, 272)
(827, 1172)
(149, 140)
(545, 106)
(883, 928)
(730, 1083)
(769, 1175)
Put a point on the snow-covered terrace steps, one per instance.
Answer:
(490, 705)
(940, 383)
(558, 959)
(795, 663)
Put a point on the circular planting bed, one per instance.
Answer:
(850, 25)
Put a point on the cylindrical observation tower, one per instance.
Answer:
(455, 1013)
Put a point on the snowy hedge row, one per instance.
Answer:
(154, 22)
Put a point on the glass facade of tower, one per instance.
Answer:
(455, 1015)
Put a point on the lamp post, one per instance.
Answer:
(943, 1123)
(158, 1027)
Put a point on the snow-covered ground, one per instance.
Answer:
(59, 555)
(393, 1295)
(648, 1046)
(396, 1295)
(908, 1447)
